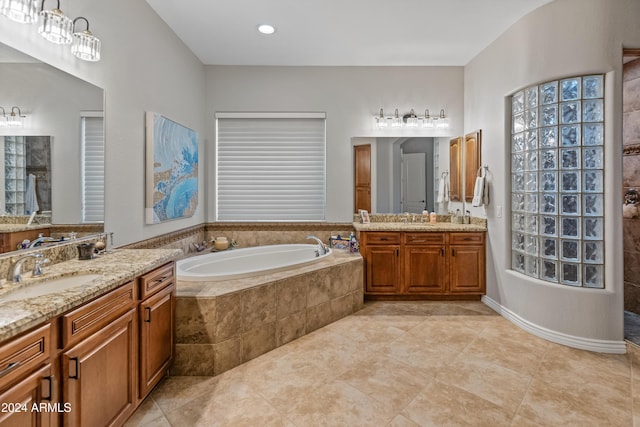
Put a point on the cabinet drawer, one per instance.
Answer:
(93, 316)
(156, 280)
(382, 238)
(21, 355)
(466, 238)
(424, 238)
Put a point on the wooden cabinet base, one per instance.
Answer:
(437, 266)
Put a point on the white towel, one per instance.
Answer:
(480, 192)
(443, 191)
(30, 199)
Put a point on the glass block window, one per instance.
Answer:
(557, 161)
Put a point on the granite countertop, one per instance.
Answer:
(114, 269)
(429, 227)
(11, 228)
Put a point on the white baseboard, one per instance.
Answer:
(600, 346)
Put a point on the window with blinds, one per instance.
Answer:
(92, 169)
(270, 167)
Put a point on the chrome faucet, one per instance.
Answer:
(322, 248)
(14, 274)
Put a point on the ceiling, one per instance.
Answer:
(341, 32)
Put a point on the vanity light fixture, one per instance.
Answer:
(85, 45)
(15, 120)
(412, 121)
(54, 25)
(22, 11)
(381, 120)
(3, 118)
(266, 29)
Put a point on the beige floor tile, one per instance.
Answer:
(409, 363)
(420, 354)
(401, 421)
(546, 404)
(147, 414)
(448, 332)
(445, 405)
(388, 380)
(518, 355)
(501, 386)
(207, 411)
(569, 368)
(338, 404)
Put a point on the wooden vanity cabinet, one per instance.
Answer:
(94, 364)
(156, 320)
(100, 360)
(381, 251)
(27, 379)
(423, 265)
(467, 263)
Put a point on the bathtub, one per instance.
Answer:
(246, 262)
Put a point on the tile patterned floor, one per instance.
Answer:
(409, 364)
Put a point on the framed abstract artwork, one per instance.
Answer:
(171, 188)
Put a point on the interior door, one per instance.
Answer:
(414, 186)
(362, 177)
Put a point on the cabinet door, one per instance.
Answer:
(467, 269)
(383, 269)
(99, 375)
(156, 338)
(455, 172)
(425, 269)
(35, 389)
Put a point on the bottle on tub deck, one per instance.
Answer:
(425, 215)
(433, 218)
(354, 245)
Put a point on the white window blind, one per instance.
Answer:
(270, 168)
(92, 169)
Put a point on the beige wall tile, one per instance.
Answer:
(193, 359)
(631, 171)
(318, 316)
(228, 354)
(341, 307)
(291, 327)
(258, 306)
(291, 296)
(319, 290)
(258, 341)
(631, 70)
(631, 95)
(228, 316)
(632, 297)
(631, 127)
(195, 320)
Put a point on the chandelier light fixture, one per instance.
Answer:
(411, 120)
(54, 26)
(22, 11)
(85, 45)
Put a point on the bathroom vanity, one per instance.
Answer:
(422, 261)
(88, 355)
(13, 234)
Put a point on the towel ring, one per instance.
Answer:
(482, 171)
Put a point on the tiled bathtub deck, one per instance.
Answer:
(409, 364)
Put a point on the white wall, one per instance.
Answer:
(350, 96)
(563, 38)
(52, 101)
(144, 67)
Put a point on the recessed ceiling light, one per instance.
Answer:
(266, 29)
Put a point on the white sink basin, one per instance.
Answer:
(47, 287)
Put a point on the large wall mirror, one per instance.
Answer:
(63, 133)
(404, 173)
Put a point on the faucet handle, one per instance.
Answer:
(37, 268)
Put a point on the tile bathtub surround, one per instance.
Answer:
(239, 320)
(420, 363)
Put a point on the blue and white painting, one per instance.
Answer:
(172, 170)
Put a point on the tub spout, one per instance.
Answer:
(322, 248)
